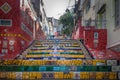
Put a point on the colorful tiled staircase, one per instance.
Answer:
(58, 60)
(65, 49)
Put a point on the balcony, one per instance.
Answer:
(97, 23)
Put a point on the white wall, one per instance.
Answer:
(89, 14)
(113, 33)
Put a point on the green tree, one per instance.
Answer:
(68, 23)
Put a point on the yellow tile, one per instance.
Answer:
(84, 75)
(99, 75)
(58, 75)
(112, 75)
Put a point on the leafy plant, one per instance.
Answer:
(68, 23)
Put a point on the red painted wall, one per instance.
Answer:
(101, 41)
(88, 38)
(87, 34)
(81, 32)
(16, 38)
(38, 34)
(76, 33)
(12, 14)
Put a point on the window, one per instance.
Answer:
(88, 5)
(26, 29)
(5, 22)
(89, 22)
(102, 17)
(42, 2)
(117, 13)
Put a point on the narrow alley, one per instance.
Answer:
(59, 40)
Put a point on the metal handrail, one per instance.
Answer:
(28, 47)
(85, 50)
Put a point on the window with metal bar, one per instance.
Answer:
(117, 13)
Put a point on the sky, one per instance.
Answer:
(55, 8)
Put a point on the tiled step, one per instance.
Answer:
(59, 68)
(59, 75)
(61, 62)
(56, 55)
(68, 46)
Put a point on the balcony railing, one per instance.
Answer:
(100, 24)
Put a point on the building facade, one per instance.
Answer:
(20, 24)
(51, 30)
(101, 14)
(42, 20)
(108, 10)
(88, 12)
(56, 28)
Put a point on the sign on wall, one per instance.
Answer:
(95, 35)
